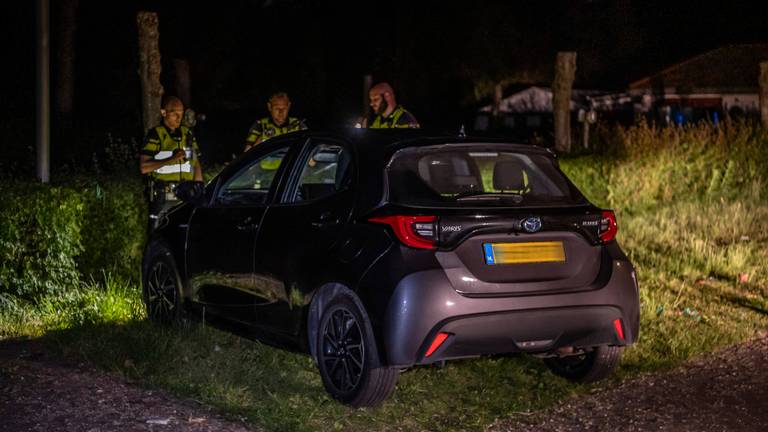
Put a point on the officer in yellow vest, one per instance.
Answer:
(277, 123)
(388, 114)
(170, 155)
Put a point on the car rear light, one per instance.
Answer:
(608, 227)
(439, 339)
(619, 329)
(415, 231)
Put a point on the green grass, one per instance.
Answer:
(693, 217)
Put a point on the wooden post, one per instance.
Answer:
(367, 83)
(764, 94)
(149, 68)
(565, 72)
(496, 109)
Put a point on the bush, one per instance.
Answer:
(39, 239)
(51, 236)
(114, 231)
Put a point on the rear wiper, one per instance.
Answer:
(482, 196)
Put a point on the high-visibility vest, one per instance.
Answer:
(398, 118)
(265, 129)
(163, 145)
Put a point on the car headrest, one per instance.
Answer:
(451, 177)
(509, 175)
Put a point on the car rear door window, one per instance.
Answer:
(477, 174)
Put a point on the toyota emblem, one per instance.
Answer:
(532, 224)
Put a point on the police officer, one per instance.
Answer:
(388, 114)
(170, 155)
(277, 124)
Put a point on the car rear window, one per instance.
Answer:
(477, 175)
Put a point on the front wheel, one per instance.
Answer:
(161, 285)
(346, 354)
(586, 367)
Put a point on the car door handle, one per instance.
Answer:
(247, 225)
(326, 220)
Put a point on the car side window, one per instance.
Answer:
(326, 172)
(251, 185)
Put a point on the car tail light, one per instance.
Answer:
(439, 339)
(619, 329)
(415, 231)
(608, 227)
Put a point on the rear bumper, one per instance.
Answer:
(425, 304)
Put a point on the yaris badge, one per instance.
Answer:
(532, 224)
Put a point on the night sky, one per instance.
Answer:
(441, 57)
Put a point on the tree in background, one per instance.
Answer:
(149, 68)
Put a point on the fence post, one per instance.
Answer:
(565, 72)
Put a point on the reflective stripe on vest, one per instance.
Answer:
(175, 171)
(176, 168)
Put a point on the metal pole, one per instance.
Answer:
(43, 92)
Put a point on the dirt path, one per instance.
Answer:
(40, 394)
(725, 391)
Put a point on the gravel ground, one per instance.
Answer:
(725, 391)
(38, 393)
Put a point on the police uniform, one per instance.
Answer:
(160, 143)
(265, 129)
(398, 118)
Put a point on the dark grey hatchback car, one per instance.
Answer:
(375, 251)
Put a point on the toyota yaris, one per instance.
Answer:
(374, 251)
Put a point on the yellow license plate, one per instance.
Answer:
(521, 253)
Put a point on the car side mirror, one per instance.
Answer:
(190, 191)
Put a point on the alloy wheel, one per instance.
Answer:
(343, 351)
(161, 292)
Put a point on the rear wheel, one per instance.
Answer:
(161, 285)
(586, 367)
(346, 355)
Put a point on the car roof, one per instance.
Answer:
(393, 139)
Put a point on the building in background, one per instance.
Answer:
(720, 82)
(708, 86)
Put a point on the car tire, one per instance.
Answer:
(161, 285)
(346, 355)
(588, 367)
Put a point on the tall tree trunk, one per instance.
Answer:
(149, 68)
(764, 94)
(565, 72)
(65, 59)
(182, 81)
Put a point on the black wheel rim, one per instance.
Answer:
(343, 350)
(161, 292)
